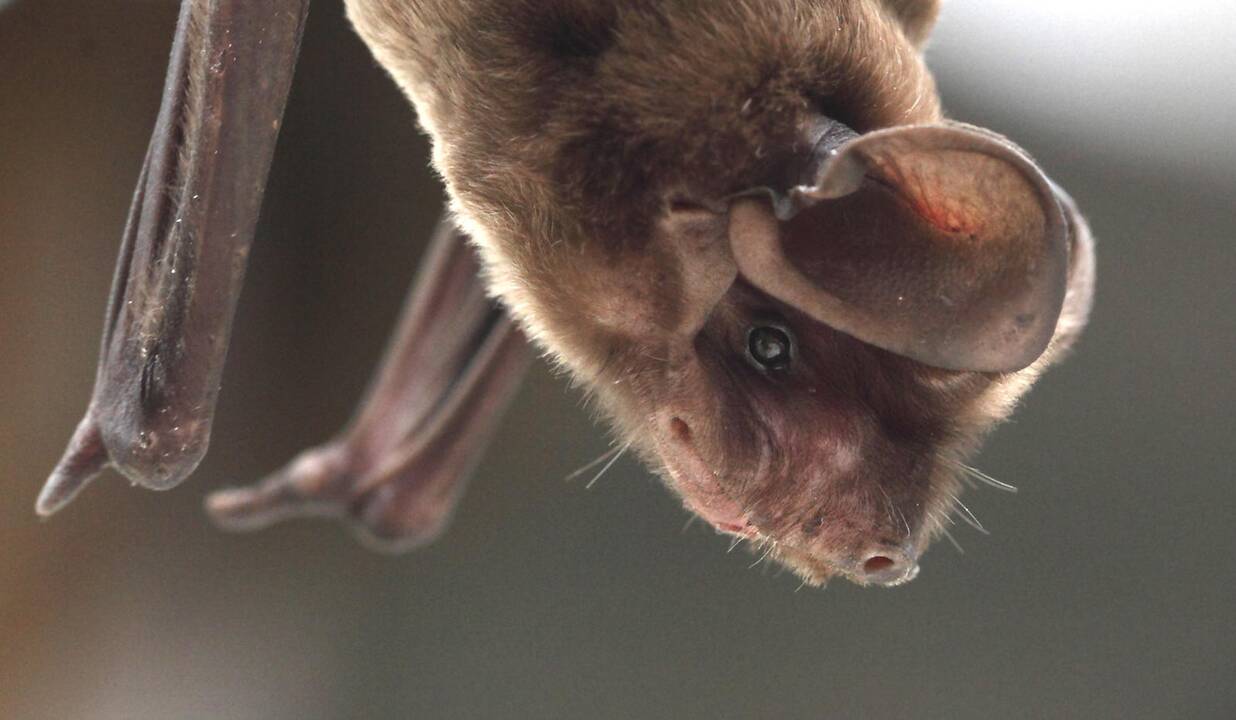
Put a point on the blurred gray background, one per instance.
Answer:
(1107, 590)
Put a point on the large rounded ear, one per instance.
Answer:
(944, 244)
(917, 17)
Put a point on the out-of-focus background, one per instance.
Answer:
(1107, 589)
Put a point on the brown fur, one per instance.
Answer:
(566, 129)
(540, 150)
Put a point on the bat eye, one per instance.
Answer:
(770, 347)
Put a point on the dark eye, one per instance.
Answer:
(770, 347)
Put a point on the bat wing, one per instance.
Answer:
(185, 247)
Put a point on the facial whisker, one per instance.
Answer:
(888, 504)
(904, 521)
(985, 478)
(951, 539)
(968, 516)
(895, 513)
(608, 465)
(593, 463)
(761, 559)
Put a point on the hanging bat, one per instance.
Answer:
(800, 293)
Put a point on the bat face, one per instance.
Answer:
(777, 428)
(839, 456)
(797, 290)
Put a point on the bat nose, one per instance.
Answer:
(888, 565)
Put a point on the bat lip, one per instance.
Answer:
(696, 482)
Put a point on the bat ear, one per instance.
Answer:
(944, 244)
(916, 17)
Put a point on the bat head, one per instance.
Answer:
(747, 229)
(843, 344)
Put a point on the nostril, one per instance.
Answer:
(878, 564)
(888, 565)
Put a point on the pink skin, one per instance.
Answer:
(876, 525)
(697, 484)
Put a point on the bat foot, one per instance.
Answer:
(389, 517)
(397, 471)
(315, 483)
(82, 461)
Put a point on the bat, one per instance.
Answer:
(796, 290)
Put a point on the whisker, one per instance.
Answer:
(608, 465)
(888, 504)
(687, 525)
(968, 516)
(761, 559)
(953, 540)
(737, 541)
(895, 513)
(971, 472)
(602, 458)
(904, 521)
(989, 480)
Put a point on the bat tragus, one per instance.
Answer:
(800, 293)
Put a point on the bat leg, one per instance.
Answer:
(185, 247)
(397, 470)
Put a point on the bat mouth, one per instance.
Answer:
(698, 484)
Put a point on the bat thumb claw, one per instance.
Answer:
(84, 459)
